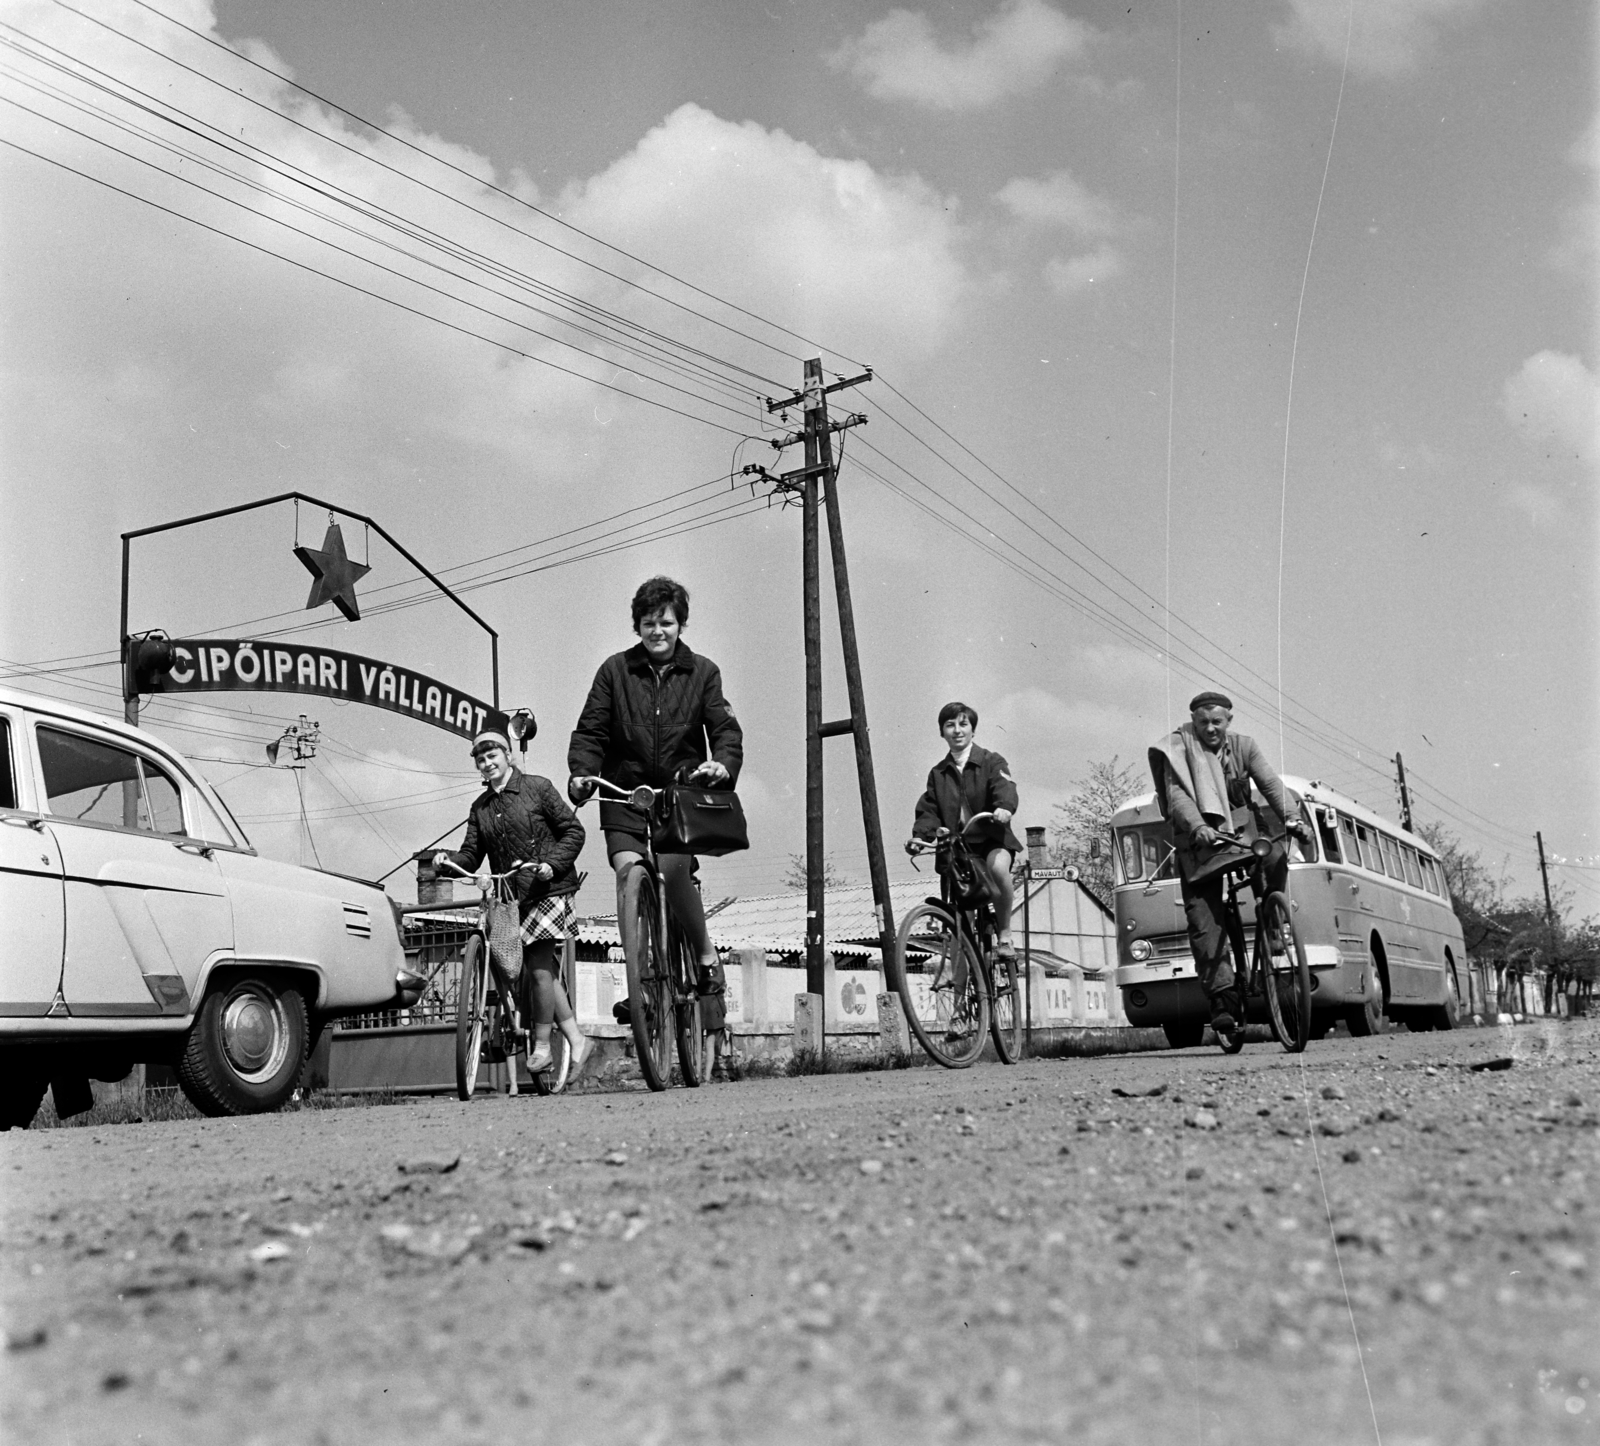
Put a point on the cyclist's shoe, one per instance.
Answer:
(1005, 951)
(580, 1052)
(540, 1060)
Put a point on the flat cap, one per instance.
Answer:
(1210, 699)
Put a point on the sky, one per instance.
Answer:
(1244, 345)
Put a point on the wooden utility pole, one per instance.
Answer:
(1405, 794)
(1544, 873)
(816, 483)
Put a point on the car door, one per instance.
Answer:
(32, 895)
(146, 904)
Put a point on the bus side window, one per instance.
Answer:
(1328, 827)
(1132, 862)
(1408, 857)
(1430, 878)
(1391, 857)
(1347, 833)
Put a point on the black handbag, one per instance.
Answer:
(695, 820)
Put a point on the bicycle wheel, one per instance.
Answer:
(950, 1014)
(1285, 973)
(472, 1010)
(688, 1025)
(1007, 1023)
(649, 978)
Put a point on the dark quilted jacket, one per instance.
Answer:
(527, 821)
(635, 729)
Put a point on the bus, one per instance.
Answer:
(1370, 898)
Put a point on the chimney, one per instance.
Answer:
(1036, 848)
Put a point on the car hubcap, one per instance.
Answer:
(253, 1037)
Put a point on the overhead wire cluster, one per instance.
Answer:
(318, 187)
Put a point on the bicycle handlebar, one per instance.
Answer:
(922, 845)
(515, 868)
(643, 797)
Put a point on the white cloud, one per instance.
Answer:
(851, 252)
(1388, 38)
(1015, 50)
(1069, 275)
(1554, 402)
(1577, 246)
(1060, 201)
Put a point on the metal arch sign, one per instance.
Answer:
(235, 665)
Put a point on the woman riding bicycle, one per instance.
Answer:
(520, 818)
(971, 780)
(654, 709)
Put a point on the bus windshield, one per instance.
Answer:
(1145, 853)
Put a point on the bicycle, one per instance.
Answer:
(489, 1024)
(1276, 967)
(663, 997)
(974, 991)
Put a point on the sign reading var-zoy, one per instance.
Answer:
(232, 665)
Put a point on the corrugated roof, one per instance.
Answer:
(848, 916)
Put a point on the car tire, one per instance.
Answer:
(247, 1048)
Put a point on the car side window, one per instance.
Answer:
(8, 777)
(92, 781)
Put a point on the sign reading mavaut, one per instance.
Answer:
(234, 665)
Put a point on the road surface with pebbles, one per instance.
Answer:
(1379, 1241)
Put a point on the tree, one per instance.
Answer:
(796, 877)
(1081, 836)
(1477, 894)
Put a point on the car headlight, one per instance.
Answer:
(1140, 950)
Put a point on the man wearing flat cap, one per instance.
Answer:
(1202, 774)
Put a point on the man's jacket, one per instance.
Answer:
(527, 821)
(953, 798)
(636, 728)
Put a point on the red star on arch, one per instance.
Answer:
(336, 576)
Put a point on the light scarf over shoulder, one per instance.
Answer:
(1183, 758)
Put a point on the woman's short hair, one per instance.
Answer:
(955, 710)
(661, 592)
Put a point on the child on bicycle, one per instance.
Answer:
(971, 780)
(521, 818)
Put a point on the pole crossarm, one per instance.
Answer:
(306, 497)
(785, 403)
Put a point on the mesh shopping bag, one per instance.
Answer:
(505, 932)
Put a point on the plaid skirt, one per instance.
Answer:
(550, 918)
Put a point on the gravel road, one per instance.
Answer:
(1375, 1242)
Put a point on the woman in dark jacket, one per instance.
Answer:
(520, 818)
(653, 709)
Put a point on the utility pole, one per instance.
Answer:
(1544, 873)
(816, 483)
(1405, 794)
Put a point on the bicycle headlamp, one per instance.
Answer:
(642, 798)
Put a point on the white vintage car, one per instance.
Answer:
(137, 924)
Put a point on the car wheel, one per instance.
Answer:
(246, 1049)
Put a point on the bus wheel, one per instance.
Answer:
(1444, 1016)
(1366, 1017)
(1184, 1033)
